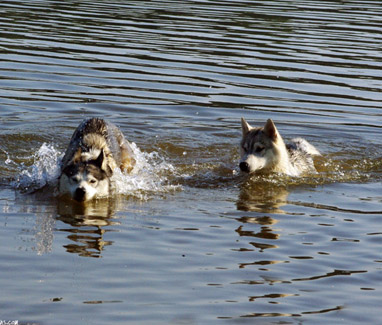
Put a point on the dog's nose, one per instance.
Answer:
(244, 167)
(79, 194)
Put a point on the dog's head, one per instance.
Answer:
(258, 146)
(84, 178)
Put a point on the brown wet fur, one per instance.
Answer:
(99, 134)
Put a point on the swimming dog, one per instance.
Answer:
(96, 149)
(263, 150)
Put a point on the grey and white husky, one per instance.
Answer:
(263, 150)
(96, 149)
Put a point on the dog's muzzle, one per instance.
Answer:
(244, 166)
(79, 194)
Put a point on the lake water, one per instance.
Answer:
(189, 239)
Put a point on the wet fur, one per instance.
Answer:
(96, 149)
(263, 150)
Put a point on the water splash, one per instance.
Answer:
(43, 172)
(8, 161)
(151, 173)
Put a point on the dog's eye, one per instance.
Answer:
(75, 179)
(259, 149)
(92, 181)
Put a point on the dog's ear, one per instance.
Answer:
(245, 127)
(99, 160)
(102, 164)
(77, 156)
(270, 129)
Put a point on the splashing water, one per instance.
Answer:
(44, 171)
(150, 174)
(153, 175)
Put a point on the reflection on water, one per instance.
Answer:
(102, 209)
(259, 195)
(323, 311)
(88, 224)
(265, 232)
(45, 225)
(39, 234)
(330, 274)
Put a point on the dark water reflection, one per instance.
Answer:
(262, 197)
(87, 225)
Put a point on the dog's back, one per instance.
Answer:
(301, 154)
(96, 134)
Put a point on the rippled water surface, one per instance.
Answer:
(188, 239)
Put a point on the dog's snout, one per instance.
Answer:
(244, 166)
(79, 194)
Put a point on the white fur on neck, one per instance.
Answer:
(281, 162)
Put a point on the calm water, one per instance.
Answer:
(189, 240)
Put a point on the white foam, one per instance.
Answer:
(44, 171)
(150, 174)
